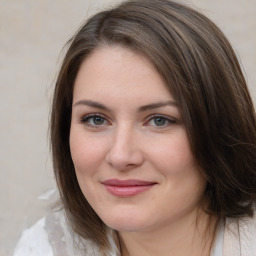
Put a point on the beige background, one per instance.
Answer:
(32, 34)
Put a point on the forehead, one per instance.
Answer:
(119, 72)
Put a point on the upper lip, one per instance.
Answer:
(127, 183)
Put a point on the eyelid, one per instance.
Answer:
(172, 120)
(91, 115)
(86, 117)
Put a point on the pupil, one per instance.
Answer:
(159, 121)
(98, 120)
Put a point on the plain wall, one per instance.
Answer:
(32, 34)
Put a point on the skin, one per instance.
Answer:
(116, 135)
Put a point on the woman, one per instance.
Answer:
(153, 138)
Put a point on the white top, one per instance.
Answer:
(34, 241)
(50, 236)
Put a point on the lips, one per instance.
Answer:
(127, 188)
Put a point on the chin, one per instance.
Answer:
(127, 226)
(127, 222)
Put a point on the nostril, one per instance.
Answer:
(121, 160)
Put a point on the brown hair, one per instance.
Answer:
(204, 76)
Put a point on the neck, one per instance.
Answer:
(191, 237)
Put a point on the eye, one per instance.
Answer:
(160, 121)
(94, 120)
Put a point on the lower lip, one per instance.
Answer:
(128, 191)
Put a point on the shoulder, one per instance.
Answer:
(34, 241)
(64, 241)
(240, 237)
(51, 236)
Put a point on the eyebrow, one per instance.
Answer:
(157, 105)
(140, 109)
(91, 103)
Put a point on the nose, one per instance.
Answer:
(124, 152)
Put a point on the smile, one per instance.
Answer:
(127, 188)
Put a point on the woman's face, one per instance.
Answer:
(129, 147)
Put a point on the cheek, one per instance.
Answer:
(174, 160)
(87, 156)
(87, 153)
(173, 154)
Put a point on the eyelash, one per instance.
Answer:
(87, 118)
(167, 119)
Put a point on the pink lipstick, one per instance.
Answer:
(127, 188)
